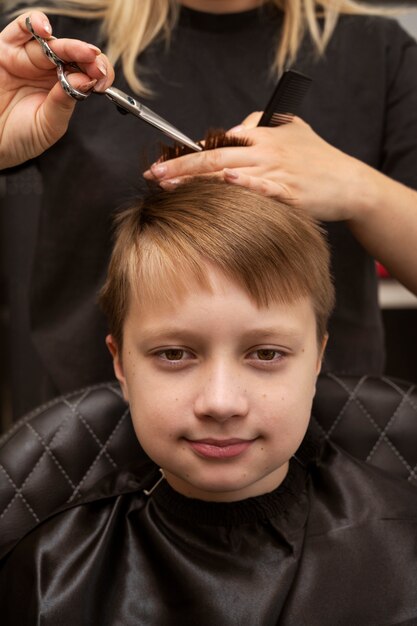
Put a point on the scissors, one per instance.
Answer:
(124, 102)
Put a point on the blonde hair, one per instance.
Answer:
(169, 239)
(129, 26)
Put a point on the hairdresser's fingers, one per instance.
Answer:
(173, 183)
(35, 120)
(57, 108)
(31, 62)
(22, 60)
(70, 50)
(251, 121)
(260, 185)
(17, 34)
(88, 57)
(212, 161)
(106, 70)
(100, 70)
(199, 163)
(266, 157)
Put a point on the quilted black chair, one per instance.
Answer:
(56, 454)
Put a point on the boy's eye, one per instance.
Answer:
(176, 358)
(173, 354)
(266, 354)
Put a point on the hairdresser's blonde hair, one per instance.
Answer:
(168, 240)
(129, 26)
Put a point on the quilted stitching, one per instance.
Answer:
(56, 453)
(59, 451)
(18, 494)
(374, 419)
(103, 450)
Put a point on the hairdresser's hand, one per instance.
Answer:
(34, 109)
(290, 162)
(293, 163)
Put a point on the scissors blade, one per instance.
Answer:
(121, 99)
(129, 104)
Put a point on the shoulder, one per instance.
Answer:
(359, 546)
(345, 490)
(109, 496)
(83, 523)
(379, 36)
(67, 551)
(377, 27)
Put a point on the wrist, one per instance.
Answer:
(368, 192)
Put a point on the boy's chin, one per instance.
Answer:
(228, 488)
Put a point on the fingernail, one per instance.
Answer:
(47, 26)
(97, 50)
(147, 174)
(231, 174)
(101, 66)
(169, 184)
(87, 86)
(100, 84)
(159, 169)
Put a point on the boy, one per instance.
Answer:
(218, 301)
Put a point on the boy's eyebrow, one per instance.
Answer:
(286, 332)
(264, 332)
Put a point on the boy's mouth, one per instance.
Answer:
(220, 448)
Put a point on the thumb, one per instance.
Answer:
(251, 121)
(58, 107)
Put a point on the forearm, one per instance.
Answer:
(385, 223)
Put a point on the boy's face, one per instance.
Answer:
(220, 390)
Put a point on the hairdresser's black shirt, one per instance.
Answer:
(335, 544)
(215, 71)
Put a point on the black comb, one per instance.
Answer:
(286, 99)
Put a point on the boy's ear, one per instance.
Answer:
(117, 364)
(322, 348)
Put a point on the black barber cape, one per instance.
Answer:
(335, 544)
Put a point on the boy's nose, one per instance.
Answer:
(221, 396)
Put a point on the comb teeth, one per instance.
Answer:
(286, 99)
(277, 119)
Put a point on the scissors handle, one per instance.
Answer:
(59, 63)
(122, 100)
